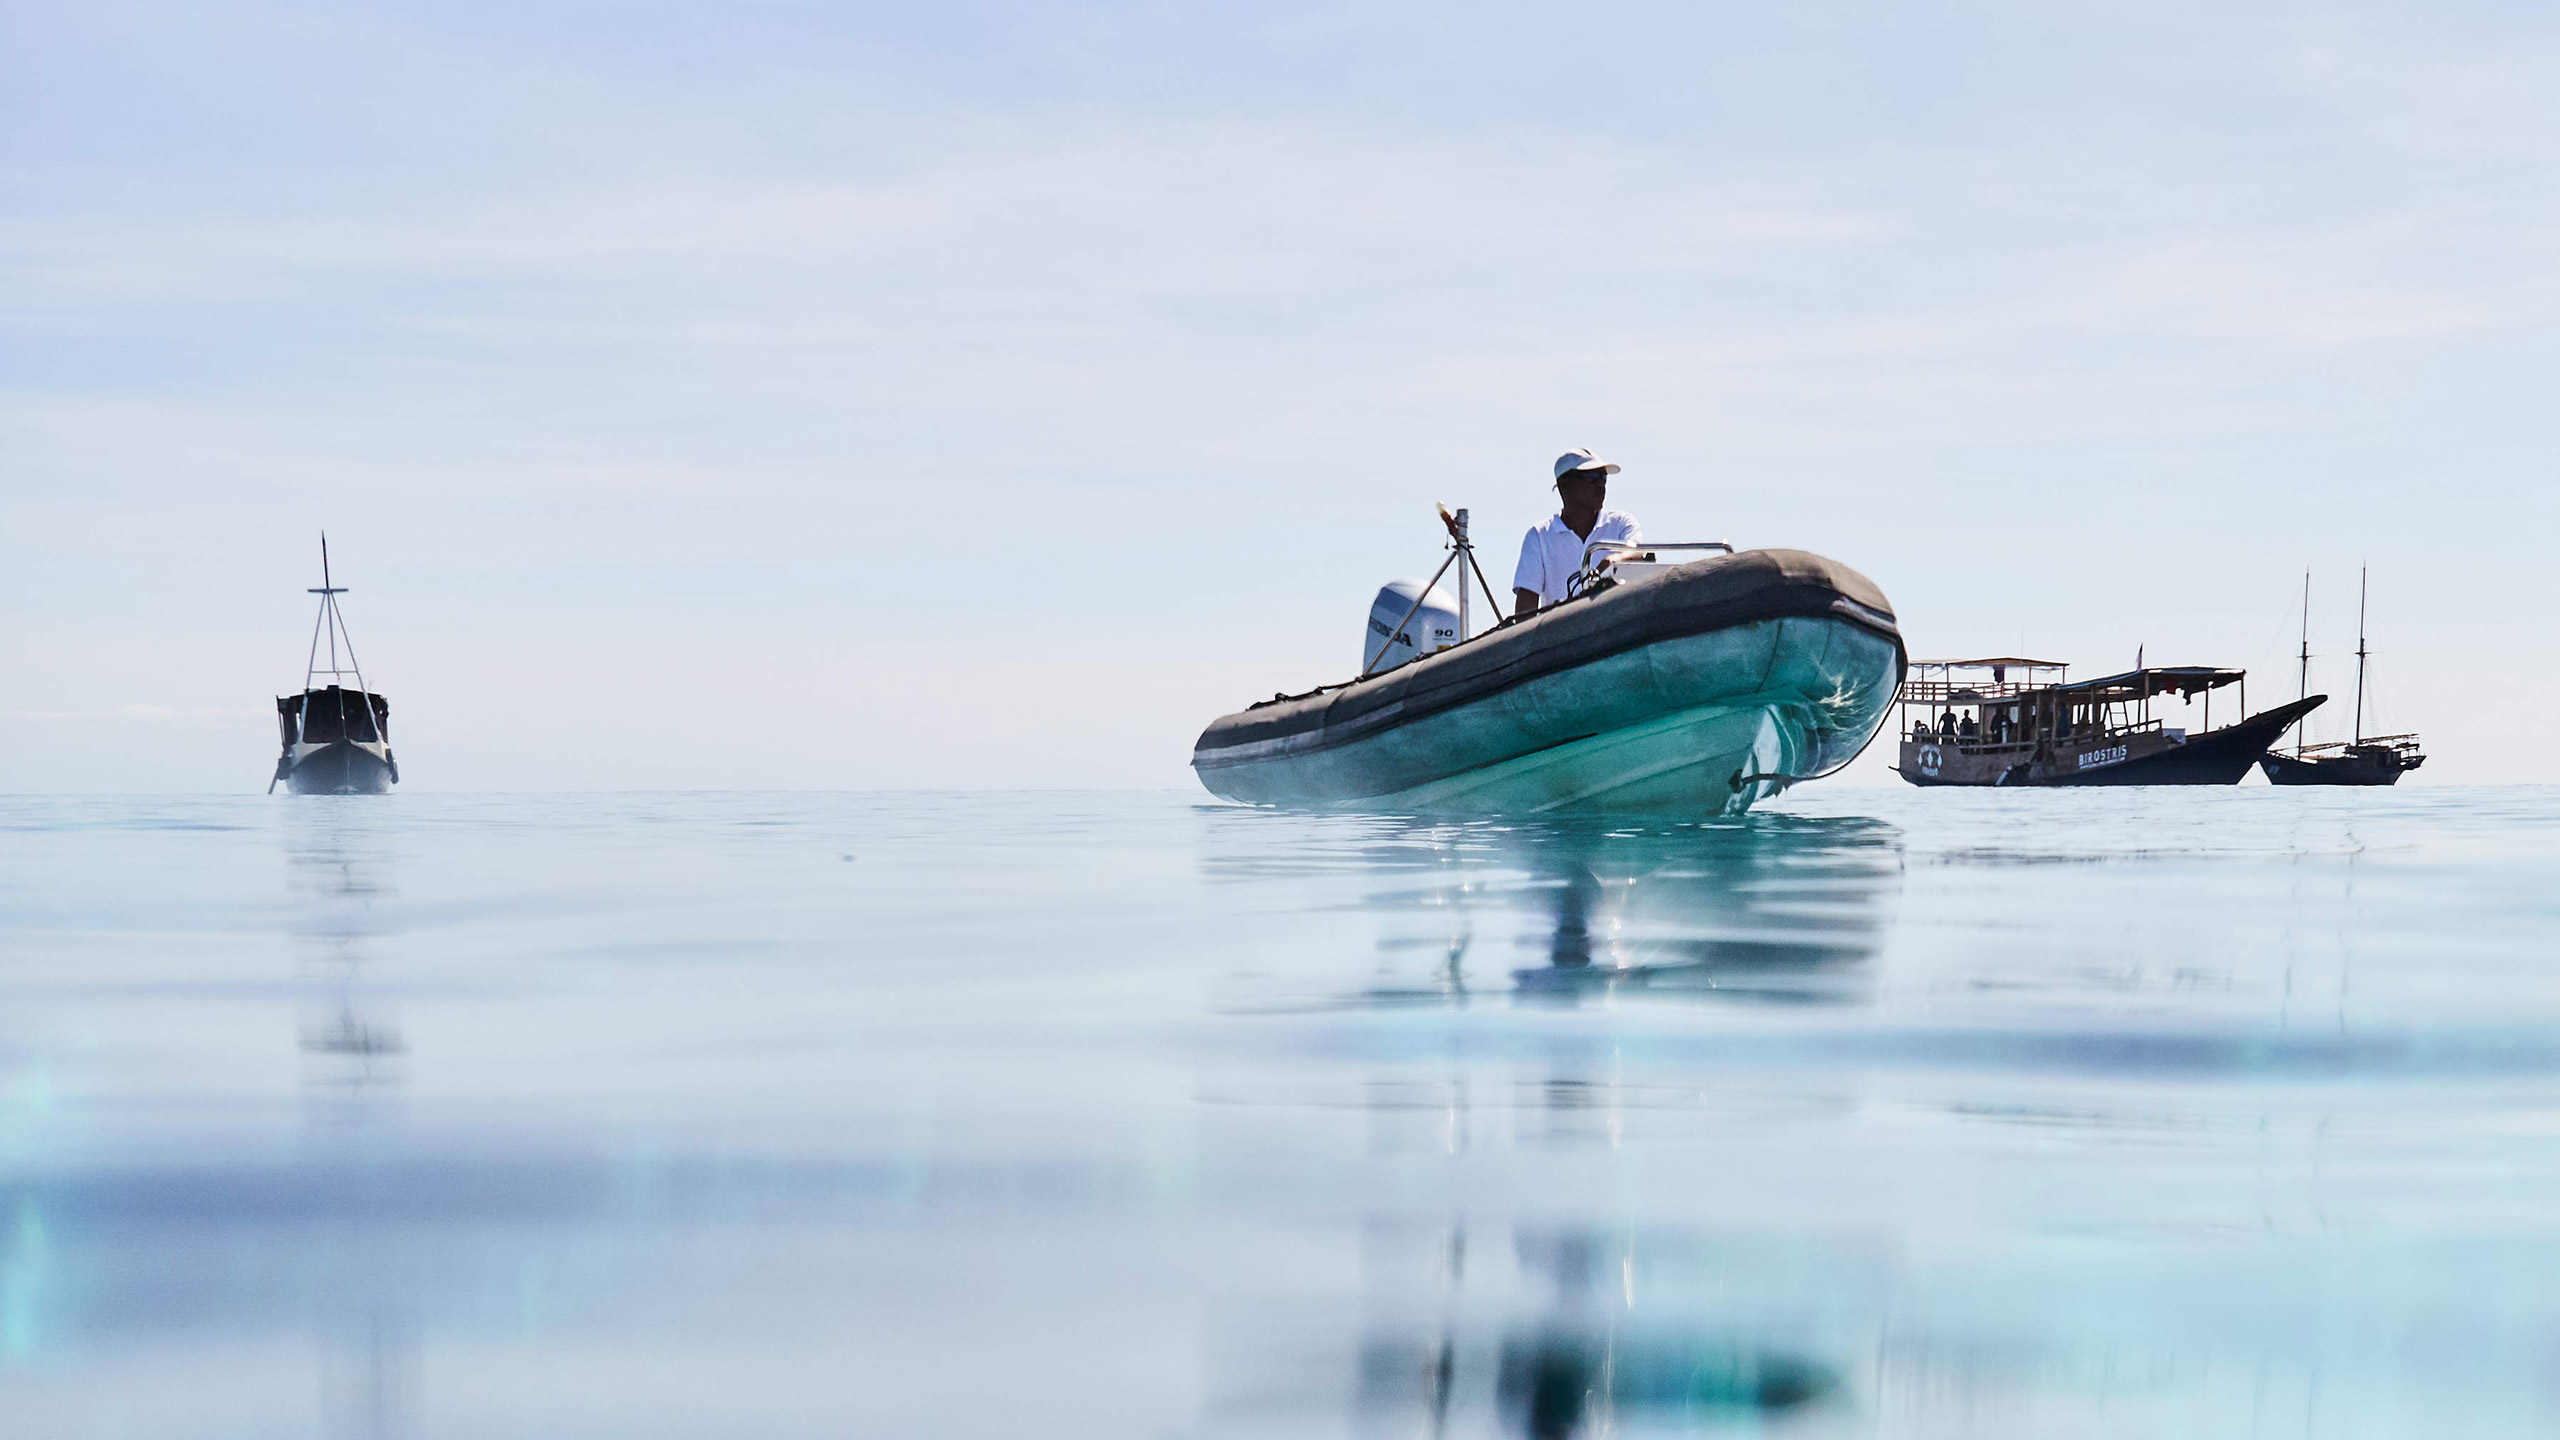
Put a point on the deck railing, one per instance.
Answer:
(1946, 691)
(1985, 745)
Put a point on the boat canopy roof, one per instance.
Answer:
(1988, 662)
(2157, 680)
(1941, 688)
(1934, 682)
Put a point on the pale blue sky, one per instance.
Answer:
(795, 395)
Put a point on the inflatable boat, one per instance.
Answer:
(1681, 689)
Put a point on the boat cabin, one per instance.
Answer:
(318, 717)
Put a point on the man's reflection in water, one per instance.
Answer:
(1559, 1348)
(1575, 897)
(1773, 908)
(342, 875)
(1576, 1368)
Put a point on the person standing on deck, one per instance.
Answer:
(1551, 554)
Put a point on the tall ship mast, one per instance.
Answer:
(337, 741)
(2362, 760)
(2362, 591)
(2298, 731)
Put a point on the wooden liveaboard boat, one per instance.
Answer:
(2007, 720)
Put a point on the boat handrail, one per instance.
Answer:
(1583, 577)
(1916, 691)
(1651, 545)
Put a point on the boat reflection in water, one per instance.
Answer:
(342, 876)
(1557, 1290)
(1777, 908)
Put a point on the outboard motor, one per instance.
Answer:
(1434, 625)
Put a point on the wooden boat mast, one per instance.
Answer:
(2362, 572)
(2304, 691)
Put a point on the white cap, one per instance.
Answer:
(1573, 460)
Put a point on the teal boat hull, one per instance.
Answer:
(1692, 693)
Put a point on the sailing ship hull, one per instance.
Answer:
(2217, 757)
(341, 767)
(1695, 692)
(2382, 768)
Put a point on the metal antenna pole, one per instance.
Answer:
(1467, 551)
(1462, 540)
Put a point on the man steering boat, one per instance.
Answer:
(1551, 553)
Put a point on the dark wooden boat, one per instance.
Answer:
(337, 741)
(1975, 725)
(2380, 760)
(2364, 760)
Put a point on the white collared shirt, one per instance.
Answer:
(1551, 554)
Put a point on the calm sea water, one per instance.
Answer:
(2193, 1113)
